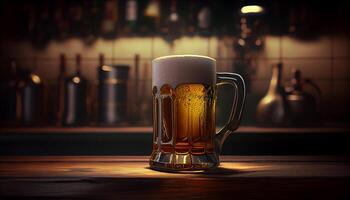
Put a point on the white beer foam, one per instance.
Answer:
(179, 69)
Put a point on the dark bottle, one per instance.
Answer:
(101, 60)
(191, 18)
(110, 19)
(30, 99)
(61, 89)
(151, 17)
(112, 94)
(76, 16)
(8, 95)
(131, 16)
(75, 98)
(92, 20)
(271, 110)
(204, 20)
(171, 28)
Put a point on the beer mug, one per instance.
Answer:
(184, 99)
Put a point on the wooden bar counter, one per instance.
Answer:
(129, 177)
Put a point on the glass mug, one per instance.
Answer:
(184, 98)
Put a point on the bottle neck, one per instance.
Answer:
(78, 71)
(62, 65)
(102, 60)
(78, 64)
(276, 80)
(296, 81)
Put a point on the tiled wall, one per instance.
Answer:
(326, 60)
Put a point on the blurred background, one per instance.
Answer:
(86, 64)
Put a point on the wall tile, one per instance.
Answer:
(47, 69)
(18, 49)
(271, 48)
(99, 46)
(69, 47)
(259, 87)
(128, 47)
(292, 47)
(310, 68)
(341, 100)
(342, 68)
(191, 45)
(213, 46)
(264, 68)
(160, 47)
(224, 54)
(89, 69)
(341, 46)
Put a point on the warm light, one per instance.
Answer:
(152, 9)
(76, 80)
(258, 42)
(106, 68)
(35, 78)
(252, 9)
(174, 17)
(241, 42)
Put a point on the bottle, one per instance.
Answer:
(76, 15)
(131, 15)
(272, 110)
(110, 19)
(173, 28)
(30, 99)
(92, 20)
(75, 112)
(151, 16)
(101, 59)
(204, 20)
(61, 89)
(191, 20)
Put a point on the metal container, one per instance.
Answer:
(302, 106)
(112, 94)
(75, 112)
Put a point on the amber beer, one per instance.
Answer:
(184, 96)
(186, 118)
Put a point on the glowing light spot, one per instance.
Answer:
(241, 42)
(106, 68)
(258, 42)
(35, 78)
(174, 17)
(76, 79)
(152, 9)
(252, 9)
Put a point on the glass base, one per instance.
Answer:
(182, 162)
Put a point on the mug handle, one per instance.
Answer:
(238, 85)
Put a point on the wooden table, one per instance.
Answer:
(238, 177)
